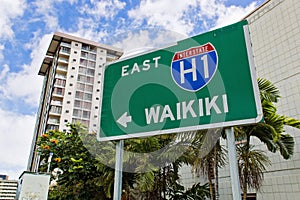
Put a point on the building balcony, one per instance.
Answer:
(62, 68)
(60, 76)
(64, 44)
(53, 121)
(54, 113)
(111, 57)
(58, 94)
(56, 103)
(63, 60)
(51, 127)
(65, 52)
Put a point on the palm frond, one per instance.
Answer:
(292, 122)
(266, 133)
(268, 90)
(286, 146)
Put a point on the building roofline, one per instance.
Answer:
(256, 9)
(59, 37)
(82, 40)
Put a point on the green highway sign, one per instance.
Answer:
(206, 81)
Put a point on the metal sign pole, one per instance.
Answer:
(233, 165)
(118, 170)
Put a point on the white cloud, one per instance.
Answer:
(16, 132)
(48, 12)
(87, 28)
(104, 8)
(141, 40)
(10, 10)
(25, 84)
(4, 72)
(1, 50)
(221, 15)
(186, 16)
(159, 13)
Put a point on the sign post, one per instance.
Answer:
(233, 165)
(118, 170)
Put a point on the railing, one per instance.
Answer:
(53, 121)
(65, 44)
(64, 51)
(60, 76)
(62, 68)
(57, 103)
(63, 60)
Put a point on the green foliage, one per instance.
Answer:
(271, 132)
(267, 90)
(252, 164)
(81, 178)
(198, 192)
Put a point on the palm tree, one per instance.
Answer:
(271, 132)
(252, 164)
(207, 156)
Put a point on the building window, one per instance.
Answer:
(90, 72)
(75, 52)
(84, 54)
(97, 98)
(69, 93)
(90, 79)
(58, 91)
(65, 120)
(60, 82)
(89, 88)
(83, 62)
(92, 56)
(76, 44)
(68, 102)
(72, 76)
(67, 111)
(73, 68)
(71, 84)
(98, 90)
(96, 107)
(87, 97)
(86, 114)
(74, 60)
(77, 113)
(80, 86)
(55, 109)
(79, 95)
(91, 64)
(77, 103)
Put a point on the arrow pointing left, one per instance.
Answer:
(124, 119)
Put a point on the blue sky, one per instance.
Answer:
(27, 28)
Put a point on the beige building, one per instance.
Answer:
(71, 92)
(8, 188)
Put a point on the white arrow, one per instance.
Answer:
(124, 119)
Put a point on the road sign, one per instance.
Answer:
(202, 82)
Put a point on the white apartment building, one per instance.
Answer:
(72, 70)
(275, 37)
(8, 189)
